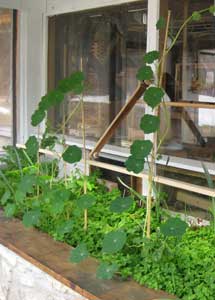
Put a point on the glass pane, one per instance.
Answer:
(6, 94)
(191, 135)
(108, 44)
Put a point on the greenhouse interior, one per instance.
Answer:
(107, 149)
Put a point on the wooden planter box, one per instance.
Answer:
(53, 258)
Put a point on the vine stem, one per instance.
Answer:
(154, 151)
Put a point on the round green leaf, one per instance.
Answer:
(32, 146)
(114, 241)
(149, 123)
(31, 218)
(134, 165)
(26, 184)
(86, 201)
(150, 57)
(57, 206)
(73, 154)
(153, 96)
(173, 227)
(121, 204)
(79, 253)
(5, 197)
(10, 210)
(20, 196)
(61, 194)
(161, 23)
(37, 117)
(65, 227)
(196, 16)
(212, 9)
(106, 271)
(145, 73)
(141, 149)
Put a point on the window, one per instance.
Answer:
(7, 76)
(190, 83)
(108, 44)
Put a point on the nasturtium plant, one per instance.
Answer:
(149, 123)
(32, 146)
(141, 148)
(27, 183)
(37, 117)
(174, 227)
(153, 96)
(114, 241)
(145, 73)
(212, 9)
(49, 142)
(10, 210)
(161, 23)
(106, 271)
(19, 196)
(79, 253)
(150, 57)
(56, 206)
(134, 165)
(86, 201)
(121, 204)
(32, 218)
(72, 154)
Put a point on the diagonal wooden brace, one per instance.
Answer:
(141, 88)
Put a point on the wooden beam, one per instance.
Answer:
(191, 104)
(142, 86)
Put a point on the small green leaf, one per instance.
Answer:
(79, 253)
(121, 204)
(196, 16)
(114, 241)
(5, 197)
(74, 83)
(49, 142)
(37, 117)
(149, 123)
(64, 228)
(145, 73)
(106, 271)
(73, 154)
(161, 23)
(10, 210)
(86, 201)
(141, 149)
(134, 165)
(31, 218)
(32, 146)
(150, 57)
(153, 96)
(212, 9)
(173, 227)
(19, 196)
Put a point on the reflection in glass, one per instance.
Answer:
(108, 44)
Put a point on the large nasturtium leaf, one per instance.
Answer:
(86, 201)
(196, 16)
(56, 206)
(141, 149)
(37, 117)
(31, 218)
(151, 56)
(61, 194)
(114, 241)
(212, 9)
(79, 253)
(32, 146)
(65, 227)
(161, 23)
(19, 196)
(134, 165)
(149, 123)
(153, 96)
(10, 210)
(145, 73)
(73, 154)
(26, 183)
(173, 227)
(106, 271)
(6, 196)
(121, 204)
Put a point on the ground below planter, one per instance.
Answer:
(32, 256)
